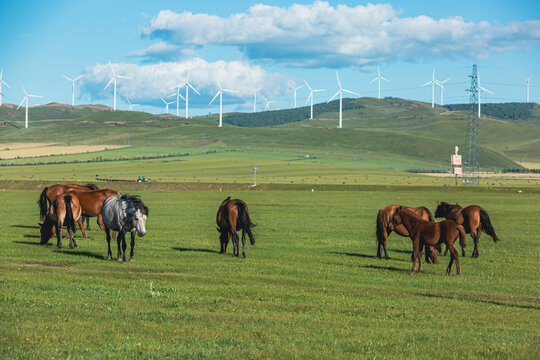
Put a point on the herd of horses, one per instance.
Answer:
(64, 205)
(420, 225)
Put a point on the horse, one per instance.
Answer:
(425, 232)
(473, 218)
(233, 215)
(91, 202)
(65, 210)
(50, 192)
(385, 228)
(124, 213)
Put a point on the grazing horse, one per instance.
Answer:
(233, 215)
(50, 192)
(91, 202)
(385, 228)
(428, 233)
(65, 210)
(473, 218)
(124, 213)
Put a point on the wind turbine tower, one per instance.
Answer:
(294, 92)
(340, 93)
(25, 99)
(72, 87)
(268, 102)
(113, 79)
(527, 80)
(441, 84)
(379, 77)
(480, 89)
(167, 105)
(3, 82)
(220, 93)
(255, 91)
(178, 96)
(432, 82)
(310, 97)
(188, 85)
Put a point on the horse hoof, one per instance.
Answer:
(131, 259)
(124, 262)
(244, 255)
(412, 273)
(119, 259)
(109, 257)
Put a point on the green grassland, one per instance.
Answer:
(392, 129)
(311, 287)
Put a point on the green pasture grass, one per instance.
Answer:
(311, 287)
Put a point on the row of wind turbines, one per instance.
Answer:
(187, 85)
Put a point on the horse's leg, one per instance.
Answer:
(416, 245)
(244, 244)
(132, 245)
(454, 254)
(108, 232)
(119, 237)
(72, 243)
(384, 247)
(59, 236)
(475, 241)
(419, 256)
(236, 242)
(100, 222)
(81, 226)
(445, 250)
(124, 248)
(87, 223)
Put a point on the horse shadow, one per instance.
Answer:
(364, 256)
(32, 236)
(25, 226)
(391, 268)
(82, 253)
(483, 301)
(28, 242)
(182, 249)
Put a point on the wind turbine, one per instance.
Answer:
(340, 93)
(178, 96)
(480, 89)
(432, 82)
(130, 105)
(294, 91)
(527, 80)
(255, 91)
(72, 87)
(220, 93)
(3, 82)
(25, 99)
(441, 84)
(167, 105)
(115, 76)
(311, 91)
(268, 102)
(188, 85)
(379, 77)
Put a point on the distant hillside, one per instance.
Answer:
(508, 111)
(10, 116)
(280, 117)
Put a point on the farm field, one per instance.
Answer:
(311, 287)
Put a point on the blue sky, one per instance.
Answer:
(272, 44)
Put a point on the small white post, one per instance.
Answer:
(255, 176)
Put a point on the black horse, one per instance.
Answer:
(232, 216)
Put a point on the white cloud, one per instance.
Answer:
(163, 51)
(321, 34)
(149, 82)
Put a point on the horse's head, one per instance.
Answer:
(47, 231)
(396, 217)
(442, 209)
(140, 222)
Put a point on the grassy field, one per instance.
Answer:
(311, 287)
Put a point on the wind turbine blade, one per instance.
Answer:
(36, 96)
(5, 83)
(351, 92)
(332, 98)
(385, 79)
(123, 77)
(108, 84)
(305, 82)
(317, 90)
(78, 77)
(24, 90)
(217, 81)
(338, 82)
(374, 79)
(24, 98)
(67, 78)
(174, 94)
(228, 90)
(192, 88)
(187, 78)
(214, 98)
(162, 99)
(309, 97)
(442, 82)
(265, 99)
(486, 90)
(110, 65)
(429, 82)
(301, 86)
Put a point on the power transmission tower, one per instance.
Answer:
(472, 166)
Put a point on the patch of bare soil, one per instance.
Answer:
(23, 150)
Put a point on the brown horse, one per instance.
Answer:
(427, 233)
(473, 218)
(65, 210)
(385, 228)
(91, 202)
(232, 216)
(50, 192)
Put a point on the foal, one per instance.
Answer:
(425, 233)
(232, 216)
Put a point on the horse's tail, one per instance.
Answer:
(486, 225)
(69, 221)
(92, 187)
(42, 203)
(430, 215)
(380, 228)
(462, 236)
(245, 222)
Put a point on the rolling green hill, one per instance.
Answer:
(391, 128)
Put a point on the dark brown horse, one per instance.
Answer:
(65, 210)
(428, 233)
(91, 202)
(50, 192)
(232, 216)
(385, 228)
(473, 218)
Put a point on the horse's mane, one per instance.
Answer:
(137, 203)
(430, 215)
(91, 186)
